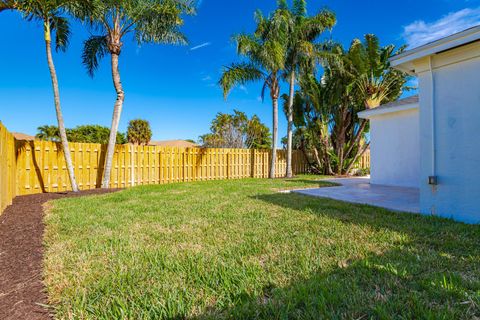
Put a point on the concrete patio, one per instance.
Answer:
(359, 190)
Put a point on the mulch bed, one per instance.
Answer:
(22, 293)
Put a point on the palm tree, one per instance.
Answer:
(48, 133)
(265, 54)
(51, 13)
(149, 21)
(301, 51)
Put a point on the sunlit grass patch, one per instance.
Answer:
(240, 249)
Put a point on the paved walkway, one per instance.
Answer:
(359, 190)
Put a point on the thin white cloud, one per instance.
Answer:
(243, 88)
(203, 45)
(206, 78)
(421, 32)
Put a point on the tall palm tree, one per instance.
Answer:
(51, 13)
(265, 54)
(149, 21)
(301, 51)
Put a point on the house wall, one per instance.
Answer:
(454, 153)
(395, 149)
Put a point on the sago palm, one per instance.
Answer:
(52, 15)
(148, 21)
(302, 32)
(264, 52)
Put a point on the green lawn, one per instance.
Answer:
(242, 250)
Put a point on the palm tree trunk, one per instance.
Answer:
(356, 139)
(117, 111)
(58, 109)
(274, 138)
(355, 158)
(290, 125)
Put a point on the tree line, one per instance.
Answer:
(138, 132)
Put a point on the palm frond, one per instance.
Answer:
(62, 32)
(272, 55)
(372, 48)
(239, 74)
(264, 88)
(94, 49)
(282, 4)
(316, 25)
(7, 5)
(168, 36)
(157, 22)
(246, 44)
(300, 8)
(81, 10)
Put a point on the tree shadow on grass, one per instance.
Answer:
(317, 182)
(435, 274)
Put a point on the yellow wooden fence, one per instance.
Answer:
(364, 161)
(41, 165)
(7, 168)
(29, 167)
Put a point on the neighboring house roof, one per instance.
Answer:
(22, 136)
(396, 106)
(173, 143)
(403, 61)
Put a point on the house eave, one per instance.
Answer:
(404, 61)
(371, 113)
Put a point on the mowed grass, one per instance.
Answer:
(242, 250)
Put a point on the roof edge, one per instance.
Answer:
(367, 114)
(455, 40)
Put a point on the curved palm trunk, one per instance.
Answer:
(290, 125)
(56, 96)
(274, 137)
(117, 111)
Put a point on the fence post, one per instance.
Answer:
(228, 165)
(132, 165)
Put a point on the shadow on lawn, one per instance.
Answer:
(319, 182)
(435, 274)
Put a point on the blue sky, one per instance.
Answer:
(175, 87)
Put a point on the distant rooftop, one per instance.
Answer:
(22, 136)
(173, 143)
(403, 61)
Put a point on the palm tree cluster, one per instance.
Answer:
(286, 48)
(326, 109)
(280, 47)
(111, 21)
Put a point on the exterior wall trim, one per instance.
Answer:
(368, 114)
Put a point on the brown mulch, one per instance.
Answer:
(22, 293)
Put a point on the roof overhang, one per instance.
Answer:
(371, 113)
(404, 61)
